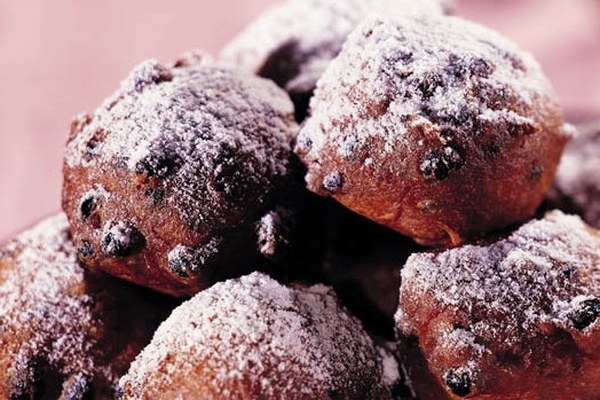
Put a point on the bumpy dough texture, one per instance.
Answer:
(252, 338)
(293, 42)
(65, 333)
(436, 127)
(171, 174)
(515, 319)
(577, 185)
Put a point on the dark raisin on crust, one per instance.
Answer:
(122, 239)
(156, 165)
(333, 182)
(88, 206)
(588, 313)
(438, 163)
(85, 250)
(458, 382)
(188, 262)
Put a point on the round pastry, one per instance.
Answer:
(514, 319)
(434, 127)
(171, 174)
(66, 333)
(252, 338)
(577, 184)
(293, 42)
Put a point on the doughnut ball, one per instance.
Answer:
(164, 184)
(435, 127)
(577, 185)
(252, 338)
(66, 333)
(293, 42)
(514, 319)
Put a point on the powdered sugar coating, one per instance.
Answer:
(195, 121)
(577, 183)
(420, 71)
(254, 338)
(59, 332)
(293, 42)
(420, 115)
(507, 304)
(189, 156)
(35, 294)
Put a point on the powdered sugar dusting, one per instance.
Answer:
(578, 177)
(278, 341)
(307, 35)
(446, 75)
(48, 319)
(502, 295)
(190, 125)
(36, 295)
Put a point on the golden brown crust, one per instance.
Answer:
(66, 333)
(164, 184)
(516, 319)
(441, 143)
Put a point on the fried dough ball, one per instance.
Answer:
(293, 42)
(514, 319)
(252, 338)
(435, 127)
(577, 185)
(66, 333)
(164, 184)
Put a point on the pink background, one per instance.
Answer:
(61, 57)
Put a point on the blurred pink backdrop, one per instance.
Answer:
(62, 57)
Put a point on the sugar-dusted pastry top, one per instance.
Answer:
(175, 168)
(61, 331)
(293, 42)
(254, 338)
(210, 132)
(434, 127)
(527, 305)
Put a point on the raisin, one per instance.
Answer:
(122, 239)
(156, 165)
(439, 162)
(92, 146)
(188, 262)
(88, 205)
(429, 85)
(333, 182)
(588, 313)
(458, 382)
(86, 250)
(181, 261)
